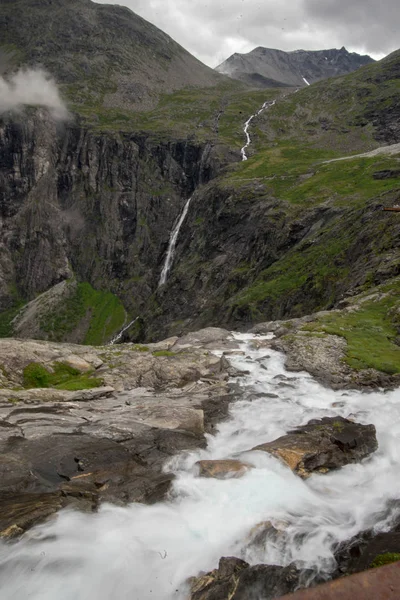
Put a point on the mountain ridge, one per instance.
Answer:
(270, 67)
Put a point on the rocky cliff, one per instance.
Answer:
(266, 67)
(95, 206)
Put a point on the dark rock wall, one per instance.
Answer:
(99, 205)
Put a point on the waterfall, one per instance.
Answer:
(121, 333)
(267, 104)
(169, 259)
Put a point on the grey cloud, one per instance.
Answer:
(212, 30)
(31, 87)
(366, 23)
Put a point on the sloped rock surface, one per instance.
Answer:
(323, 445)
(79, 448)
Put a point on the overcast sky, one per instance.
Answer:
(212, 30)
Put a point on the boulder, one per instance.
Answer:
(237, 580)
(222, 469)
(323, 445)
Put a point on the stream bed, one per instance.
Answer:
(143, 552)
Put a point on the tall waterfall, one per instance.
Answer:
(266, 104)
(169, 259)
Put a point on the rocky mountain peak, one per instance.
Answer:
(270, 67)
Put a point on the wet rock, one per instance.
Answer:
(219, 584)
(236, 580)
(358, 553)
(323, 445)
(222, 469)
(61, 448)
(266, 532)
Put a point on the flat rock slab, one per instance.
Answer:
(222, 469)
(79, 448)
(323, 445)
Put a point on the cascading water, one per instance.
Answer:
(147, 552)
(121, 333)
(267, 104)
(169, 259)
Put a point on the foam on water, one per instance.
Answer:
(142, 552)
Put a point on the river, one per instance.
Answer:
(147, 552)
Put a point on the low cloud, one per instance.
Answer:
(31, 87)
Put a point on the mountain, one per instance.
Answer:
(265, 67)
(87, 206)
(102, 54)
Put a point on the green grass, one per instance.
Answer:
(6, 318)
(317, 268)
(140, 348)
(63, 377)
(385, 559)
(104, 311)
(164, 353)
(217, 113)
(370, 332)
(299, 175)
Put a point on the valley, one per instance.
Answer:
(199, 313)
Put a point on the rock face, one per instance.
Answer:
(60, 447)
(323, 445)
(265, 67)
(77, 202)
(236, 580)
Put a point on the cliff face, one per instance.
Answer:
(97, 206)
(281, 235)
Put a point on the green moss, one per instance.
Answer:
(164, 353)
(370, 332)
(338, 426)
(63, 377)
(139, 348)
(36, 375)
(103, 311)
(84, 382)
(385, 559)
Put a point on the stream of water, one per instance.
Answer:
(267, 104)
(147, 552)
(169, 259)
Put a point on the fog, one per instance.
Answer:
(33, 87)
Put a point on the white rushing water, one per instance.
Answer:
(267, 104)
(121, 333)
(305, 81)
(147, 552)
(169, 259)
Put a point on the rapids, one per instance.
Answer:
(147, 552)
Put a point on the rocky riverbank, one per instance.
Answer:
(104, 431)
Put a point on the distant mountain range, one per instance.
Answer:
(266, 67)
